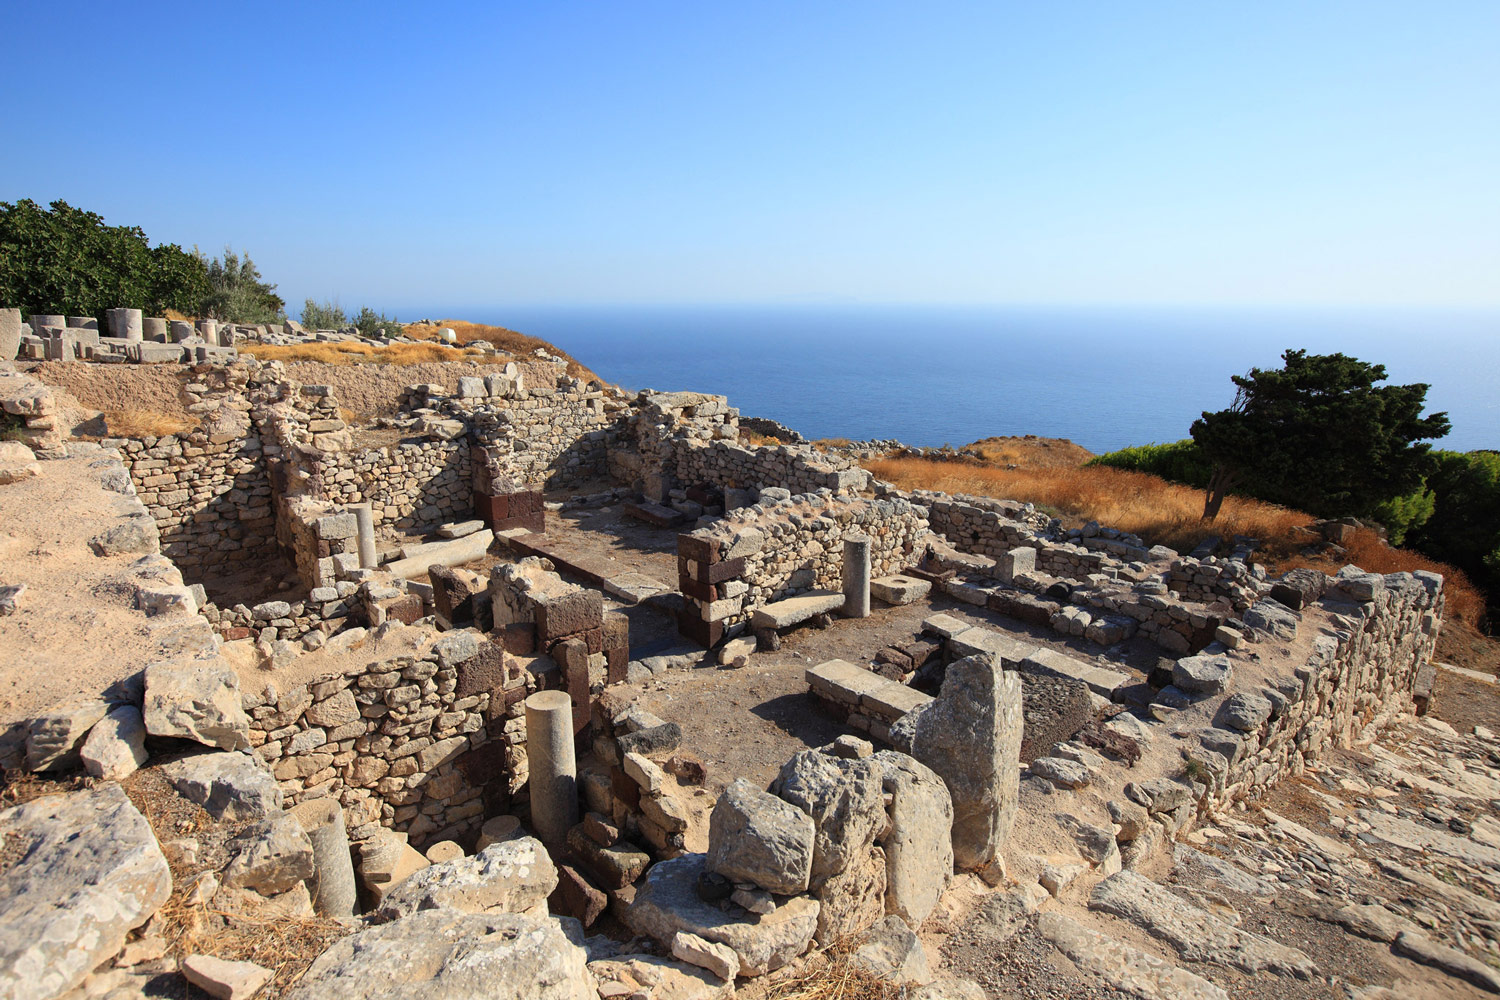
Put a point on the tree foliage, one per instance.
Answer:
(1319, 434)
(1179, 461)
(326, 315)
(1465, 525)
(63, 260)
(237, 293)
(369, 321)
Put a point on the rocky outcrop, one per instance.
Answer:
(89, 872)
(843, 799)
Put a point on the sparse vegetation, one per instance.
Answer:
(325, 315)
(511, 342)
(355, 353)
(237, 293)
(144, 423)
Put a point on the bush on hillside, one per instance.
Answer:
(1465, 525)
(237, 293)
(368, 321)
(1178, 461)
(325, 315)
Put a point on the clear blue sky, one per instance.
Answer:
(1087, 152)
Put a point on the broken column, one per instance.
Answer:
(10, 334)
(125, 324)
(365, 526)
(154, 328)
(208, 329)
(554, 774)
(181, 330)
(857, 577)
(323, 822)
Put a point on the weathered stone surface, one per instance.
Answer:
(843, 799)
(1198, 935)
(270, 856)
(852, 900)
(196, 699)
(755, 837)
(669, 903)
(219, 977)
(1421, 948)
(234, 786)
(88, 872)
(1202, 675)
(918, 844)
(116, 745)
(899, 589)
(446, 955)
(971, 736)
(892, 951)
(656, 977)
(17, 462)
(1125, 968)
(514, 876)
(1271, 618)
(719, 959)
(385, 861)
(1061, 772)
(133, 535)
(54, 738)
(1245, 711)
(794, 610)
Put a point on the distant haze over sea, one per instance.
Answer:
(929, 375)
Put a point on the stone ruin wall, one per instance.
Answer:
(411, 486)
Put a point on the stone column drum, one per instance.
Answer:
(208, 329)
(181, 330)
(323, 822)
(364, 520)
(125, 324)
(554, 772)
(154, 328)
(857, 577)
(47, 320)
(10, 334)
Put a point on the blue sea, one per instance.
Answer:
(1103, 377)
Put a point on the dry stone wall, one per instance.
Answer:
(411, 485)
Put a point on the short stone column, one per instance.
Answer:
(364, 520)
(323, 821)
(154, 328)
(181, 330)
(38, 321)
(208, 329)
(554, 773)
(10, 334)
(857, 577)
(125, 324)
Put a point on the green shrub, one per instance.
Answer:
(325, 315)
(1178, 461)
(237, 293)
(368, 321)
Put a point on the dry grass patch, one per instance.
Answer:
(833, 978)
(507, 340)
(1032, 452)
(1170, 514)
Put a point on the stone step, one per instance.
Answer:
(1051, 663)
(899, 589)
(655, 514)
(1007, 652)
(795, 610)
(852, 685)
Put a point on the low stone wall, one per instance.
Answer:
(760, 554)
(411, 486)
(798, 468)
(414, 742)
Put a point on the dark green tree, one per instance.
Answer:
(1465, 527)
(1320, 435)
(61, 259)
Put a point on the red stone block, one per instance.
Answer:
(568, 614)
(699, 550)
(704, 633)
(518, 638)
(618, 661)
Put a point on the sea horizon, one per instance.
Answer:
(1104, 377)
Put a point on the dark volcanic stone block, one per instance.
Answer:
(720, 571)
(574, 897)
(1055, 709)
(616, 631)
(700, 550)
(568, 614)
(658, 741)
(405, 609)
(484, 671)
(704, 633)
(518, 638)
(452, 595)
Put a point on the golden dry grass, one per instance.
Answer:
(144, 423)
(1032, 452)
(832, 977)
(1169, 514)
(355, 353)
(754, 439)
(826, 443)
(510, 341)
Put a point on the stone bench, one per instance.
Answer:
(1050, 663)
(872, 703)
(795, 610)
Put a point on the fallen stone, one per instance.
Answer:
(270, 857)
(795, 610)
(53, 740)
(116, 745)
(655, 977)
(17, 462)
(844, 800)
(446, 955)
(1197, 935)
(224, 979)
(1202, 675)
(758, 838)
(716, 958)
(132, 536)
(1271, 618)
(668, 902)
(851, 901)
(1246, 711)
(515, 876)
(84, 871)
(899, 590)
(892, 951)
(1061, 772)
(196, 699)
(918, 843)
(1125, 968)
(233, 786)
(459, 529)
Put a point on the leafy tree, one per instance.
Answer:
(1465, 526)
(64, 260)
(1319, 434)
(238, 294)
(368, 321)
(324, 315)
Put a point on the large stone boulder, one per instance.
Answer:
(87, 872)
(970, 734)
(116, 746)
(669, 903)
(53, 739)
(853, 900)
(442, 954)
(271, 856)
(514, 876)
(232, 786)
(196, 699)
(755, 837)
(844, 801)
(919, 842)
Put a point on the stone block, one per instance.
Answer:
(899, 590)
(567, 614)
